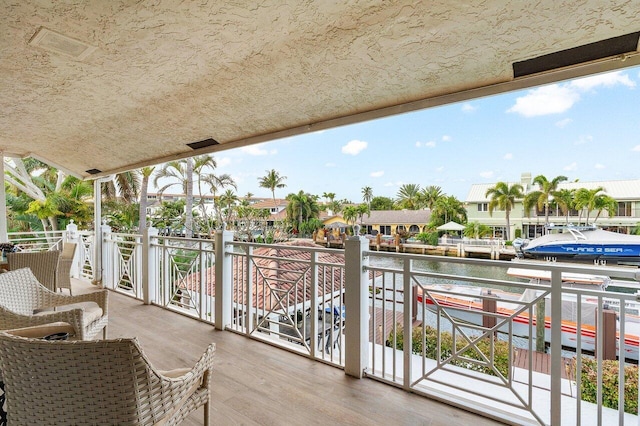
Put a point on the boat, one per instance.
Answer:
(581, 243)
(466, 304)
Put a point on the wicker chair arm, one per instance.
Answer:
(73, 317)
(180, 388)
(101, 297)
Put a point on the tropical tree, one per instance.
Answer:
(594, 199)
(350, 214)
(51, 196)
(271, 181)
(542, 197)
(217, 183)
(145, 172)
(504, 196)
(565, 199)
(409, 196)
(125, 185)
(302, 207)
(430, 195)
(447, 208)
(367, 196)
(228, 199)
(381, 203)
(476, 230)
(180, 173)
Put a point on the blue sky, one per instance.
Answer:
(586, 129)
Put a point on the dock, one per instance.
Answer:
(541, 362)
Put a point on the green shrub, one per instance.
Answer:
(430, 238)
(589, 383)
(518, 233)
(501, 349)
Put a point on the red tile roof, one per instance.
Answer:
(281, 275)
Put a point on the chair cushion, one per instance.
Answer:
(92, 311)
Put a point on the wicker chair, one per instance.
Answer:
(24, 302)
(65, 261)
(97, 382)
(43, 264)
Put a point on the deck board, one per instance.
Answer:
(258, 384)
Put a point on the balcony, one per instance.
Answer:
(254, 383)
(298, 322)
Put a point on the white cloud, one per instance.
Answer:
(552, 99)
(330, 165)
(583, 139)
(508, 156)
(440, 169)
(571, 167)
(486, 175)
(377, 174)
(564, 122)
(607, 80)
(467, 107)
(354, 147)
(446, 138)
(636, 148)
(257, 150)
(600, 166)
(430, 144)
(223, 161)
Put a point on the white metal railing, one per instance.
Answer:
(479, 372)
(122, 263)
(303, 299)
(291, 296)
(37, 241)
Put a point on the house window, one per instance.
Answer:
(483, 207)
(624, 209)
(414, 229)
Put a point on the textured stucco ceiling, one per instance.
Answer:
(167, 73)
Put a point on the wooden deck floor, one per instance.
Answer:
(258, 384)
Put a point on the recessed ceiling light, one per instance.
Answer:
(55, 42)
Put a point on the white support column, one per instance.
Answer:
(224, 280)
(97, 226)
(356, 300)
(149, 266)
(74, 238)
(556, 346)
(103, 273)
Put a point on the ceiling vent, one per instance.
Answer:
(93, 171)
(202, 144)
(610, 47)
(55, 42)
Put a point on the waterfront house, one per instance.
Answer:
(625, 192)
(391, 222)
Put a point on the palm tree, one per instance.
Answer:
(504, 196)
(181, 172)
(430, 195)
(350, 214)
(447, 209)
(408, 196)
(126, 184)
(367, 196)
(592, 199)
(142, 213)
(564, 198)
(542, 197)
(302, 207)
(271, 181)
(217, 183)
(228, 199)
